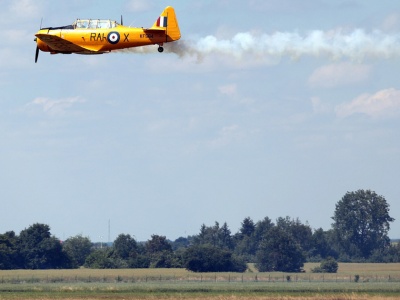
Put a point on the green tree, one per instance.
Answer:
(125, 246)
(159, 251)
(248, 227)
(321, 245)
(246, 242)
(77, 248)
(158, 243)
(224, 237)
(102, 259)
(40, 250)
(215, 235)
(208, 258)
(261, 229)
(8, 251)
(302, 233)
(181, 242)
(361, 223)
(279, 251)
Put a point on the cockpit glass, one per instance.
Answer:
(104, 24)
(94, 24)
(82, 23)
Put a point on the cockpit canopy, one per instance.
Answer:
(94, 24)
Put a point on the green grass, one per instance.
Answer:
(187, 290)
(375, 280)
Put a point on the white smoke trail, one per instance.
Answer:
(356, 45)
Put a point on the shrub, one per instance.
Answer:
(207, 258)
(328, 265)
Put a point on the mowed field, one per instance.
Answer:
(376, 281)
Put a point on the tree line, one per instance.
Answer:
(359, 233)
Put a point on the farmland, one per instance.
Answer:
(375, 281)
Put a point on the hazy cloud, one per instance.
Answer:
(25, 8)
(385, 103)
(229, 90)
(226, 136)
(138, 5)
(55, 106)
(391, 22)
(318, 106)
(340, 74)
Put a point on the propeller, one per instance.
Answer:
(37, 47)
(36, 54)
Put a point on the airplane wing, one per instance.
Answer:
(60, 45)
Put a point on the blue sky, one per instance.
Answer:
(264, 108)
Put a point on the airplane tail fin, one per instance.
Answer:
(168, 21)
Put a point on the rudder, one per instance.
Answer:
(168, 21)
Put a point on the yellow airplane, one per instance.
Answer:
(91, 36)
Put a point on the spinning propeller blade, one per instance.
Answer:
(37, 54)
(37, 48)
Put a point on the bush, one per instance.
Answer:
(328, 265)
(207, 258)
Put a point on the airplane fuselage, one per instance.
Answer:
(104, 40)
(91, 36)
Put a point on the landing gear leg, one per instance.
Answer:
(160, 49)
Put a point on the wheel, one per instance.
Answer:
(160, 49)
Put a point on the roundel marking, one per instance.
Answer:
(113, 37)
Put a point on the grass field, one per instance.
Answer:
(377, 281)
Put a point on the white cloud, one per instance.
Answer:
(391, 22)
(318, 106)
(226, 136)
(385, 103)
(229, 90)
(138, 5)
(340, 74)
(57, 106)
(25, 8)
(16, 36)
